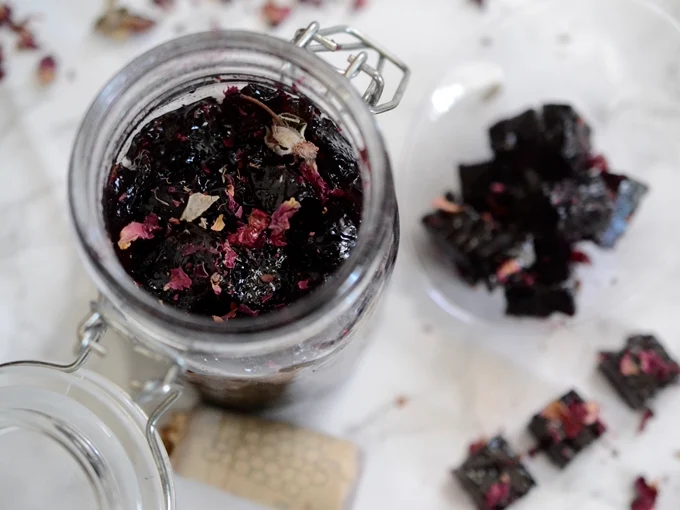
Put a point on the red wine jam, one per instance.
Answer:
(235, 207)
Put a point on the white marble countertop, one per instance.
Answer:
(460, 382)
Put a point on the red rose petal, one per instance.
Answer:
(179, 280)
(47, 70)
(498, 493)
(135, 230)
(647, 415)
(310, 172)
(579, 257)
(275, 14)
(250, 235)
(645, 495)
(230, 255)
(280, 221)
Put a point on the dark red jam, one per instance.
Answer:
(237, 206)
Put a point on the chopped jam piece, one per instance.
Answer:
(493, 475)
(566, 426)
(477, 246)
(639, 370)
(645, 495)
(236, 207)
(544, 184)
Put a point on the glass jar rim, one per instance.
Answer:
(120, 288)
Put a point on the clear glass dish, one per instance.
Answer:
(622, 76)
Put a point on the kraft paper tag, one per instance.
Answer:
(271, 463)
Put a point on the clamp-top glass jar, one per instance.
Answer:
(307, 346)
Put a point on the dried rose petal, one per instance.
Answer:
(497, 494)
(310, 172)
(5, 14)
(359, 4)
(164, 4)
(280, 221)
(303, 284)
(476, 446)
(198, 203)
(647, 415)
(627, 365)
(598, 162)
(200, 271)
(135, 230)
(246, 310)
(275, 14)
(25, 38)
(230, 255)
(645, 495)
(218, 226)
(179, 280)
(46, 70)
(579, 257)
(249, 235)
(217, 318)
(507, 269)
(306, 150)
(443, 204)
(119, 23)
(267, 278)
(653, 364)
(215, 280)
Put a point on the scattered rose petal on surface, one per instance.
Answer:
(627, 365)
(46, 70)
(476, 446)
(217, 318)
(164, 4)
(310, 172)
(645, 495)
(119, 23)
(598, 162)
(357, 5)
(442, 204)
(647, 415)
(5, 14)
(25, 38)
(135, 230)
(249, 235)
(579, 257)
(218, 226)
(197, 204)
(280, 221)
(303, 284)
(179, 280)
(275, 14)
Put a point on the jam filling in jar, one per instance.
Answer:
(235, 206)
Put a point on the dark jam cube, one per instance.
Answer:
(566, 142)
(476, 245)
(517, 134)
(566, 426)
(628, 196)
(639, 370)
(581, 208)
(526, 297)
(493, 476)
(475, 183)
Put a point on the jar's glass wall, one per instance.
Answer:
(268, 352)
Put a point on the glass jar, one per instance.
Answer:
(308, 346)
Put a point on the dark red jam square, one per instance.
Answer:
(493, 475)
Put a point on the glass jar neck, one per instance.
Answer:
(190, 68)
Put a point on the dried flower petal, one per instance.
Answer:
(218, 226)
(246, 310)
(198, 203)
(442, 204)
(215, 280)
(25, 38)
(282, 139)
(579, 257)
(217, 318)
(275, 14)
(46, 70)
(498, 493)
(230, 255)
(267, 278)
(249, 235)
(119, 23)
(135, 230)
(303, 284)
(647, 415)
(280, 221)
(179, 280)
(164, 4)
(477, 446)
(5, 14)
(645, 495)
(627, 365)
(310, 172)
(507, 269)
(359, 4)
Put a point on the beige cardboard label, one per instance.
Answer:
(267, 462)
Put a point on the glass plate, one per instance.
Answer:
(622, 76)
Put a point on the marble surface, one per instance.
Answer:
(460, 380)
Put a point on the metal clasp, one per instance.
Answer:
(320, 40)
(90, 333)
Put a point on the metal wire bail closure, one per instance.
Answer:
(90, 332)
(319, 40)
